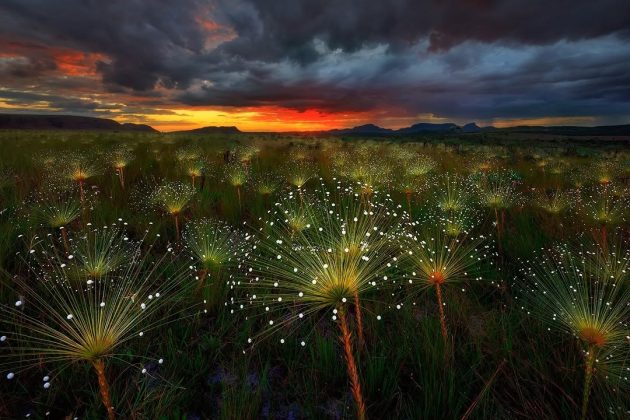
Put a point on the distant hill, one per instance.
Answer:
(420, 128)
(450, 128)
(138, 127)
(365, 130)
(429, 128)
(210, 130)
(73, 122)
(471, 128)
(66, 122)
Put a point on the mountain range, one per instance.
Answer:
(72, 122)
(420, 128)
(66, 122)
(450, 128)
(211, 130)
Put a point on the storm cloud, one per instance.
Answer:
(467, 59)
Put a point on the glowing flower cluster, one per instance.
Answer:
(212, 243)
(342, 248)
(57, 321)
(172, 197)
(580, 293)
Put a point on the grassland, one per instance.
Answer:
(440, 271)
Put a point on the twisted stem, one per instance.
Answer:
(353, 373)
(438, 291)
(103, 385)
(588, 379)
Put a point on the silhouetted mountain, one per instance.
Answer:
(210, 130)
(367, 130)
(450, 128)
(138, 127)
(420, 128)
(428, 128)
(471, 128)
(65, 122)
(72, 122)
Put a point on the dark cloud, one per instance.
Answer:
(26, 67)
(461, 59)
(25, 99)
(28, 101)
(271, 29)
(145, 42)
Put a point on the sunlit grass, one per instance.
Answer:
(295, 274)
(439, 261)
(173, 198)
(576, 294)
(57, 322)
(298, 248)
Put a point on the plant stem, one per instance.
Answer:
(438, 290)
(64, 235)
(588, 379)
(357, 311)
(203, 273)
(355, 384)
(496, 215)
(121, 177)
(176, 216)
(484, 390)
(103, 385)
(81, 193)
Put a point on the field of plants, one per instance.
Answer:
(153, 276)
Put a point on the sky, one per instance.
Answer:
(275, 65)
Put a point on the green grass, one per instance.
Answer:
(500, 362)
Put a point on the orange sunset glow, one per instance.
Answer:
(249, 119)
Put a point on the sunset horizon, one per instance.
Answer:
(314, 124)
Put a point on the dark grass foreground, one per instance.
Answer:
(155, 276)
